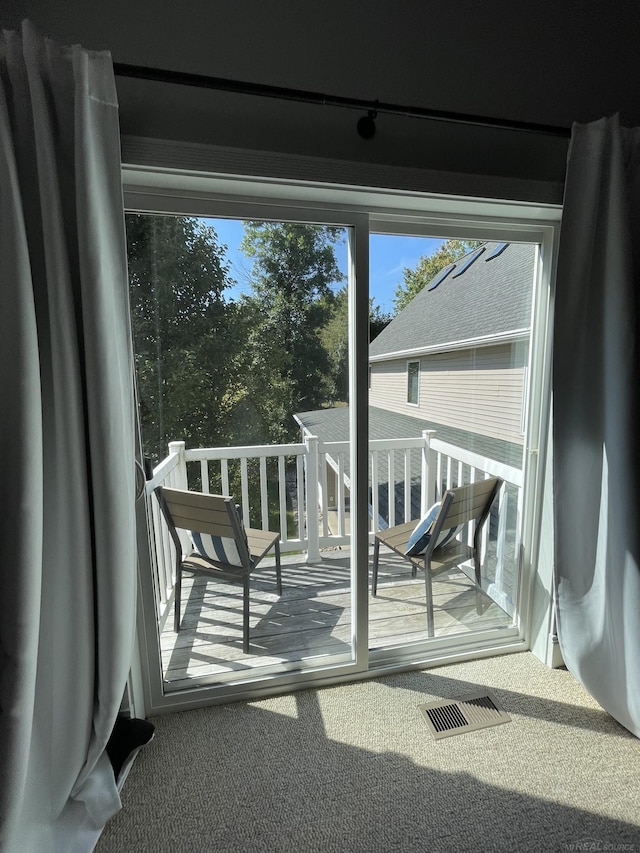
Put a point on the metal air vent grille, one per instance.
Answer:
(446, 717)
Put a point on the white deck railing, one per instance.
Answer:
(293, 493)
(454, 466)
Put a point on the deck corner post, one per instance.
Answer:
(181, 468)
(428, 480)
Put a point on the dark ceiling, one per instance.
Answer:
(550, 62)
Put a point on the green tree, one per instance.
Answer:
(428, 267)
(335, 338)
(185, 343)
(378, 320)
(293, 278)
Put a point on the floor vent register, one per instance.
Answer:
(446, 717)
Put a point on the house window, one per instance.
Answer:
(413, 382)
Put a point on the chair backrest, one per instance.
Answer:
(213, 522)
(464, 504)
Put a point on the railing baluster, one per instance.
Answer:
(407, 484)
(300, 496)
(315, 462)
(485, 529)
(158, 585)
(264, 497)
(324, 491)
(224, 476)
(519, 506)
(374, 490)
(204, 475)
(164, 547)
(244, 478)
(341, 507)
(391, 486)
(282, 494)
(501, 539)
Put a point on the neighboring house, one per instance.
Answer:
(457, 354)
(454, 361)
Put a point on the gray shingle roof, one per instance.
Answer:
(489, 297)
(333, 425)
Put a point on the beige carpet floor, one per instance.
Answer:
(353, 769)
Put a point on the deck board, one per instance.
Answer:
(312, 618)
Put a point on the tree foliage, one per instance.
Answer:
(378, 320)
(217, 372)
(335, 339)
(184, 332)
(293, 279)
(428, 267)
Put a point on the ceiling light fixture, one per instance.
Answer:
(367, 124)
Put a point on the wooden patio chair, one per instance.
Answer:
(222, 545)
(431, 544)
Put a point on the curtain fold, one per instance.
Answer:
(67, 546)
(596, 413)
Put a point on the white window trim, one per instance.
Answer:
(368, 211)
(417, 400)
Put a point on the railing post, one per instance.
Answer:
(178, 479)
(180, 471)
(313, 503)
(428, 482)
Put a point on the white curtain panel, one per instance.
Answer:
(596, 413)
(67, 544)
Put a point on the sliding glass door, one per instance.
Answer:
(448, 400)
(241, 340)
(333, 368)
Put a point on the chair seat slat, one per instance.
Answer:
(215, 528)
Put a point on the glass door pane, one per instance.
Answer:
(241, 347)
(448, 393)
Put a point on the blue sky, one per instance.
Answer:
(389, 255)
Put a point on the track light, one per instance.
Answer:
(367, 125)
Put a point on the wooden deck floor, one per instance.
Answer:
(313, 615)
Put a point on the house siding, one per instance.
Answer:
(479, 390)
